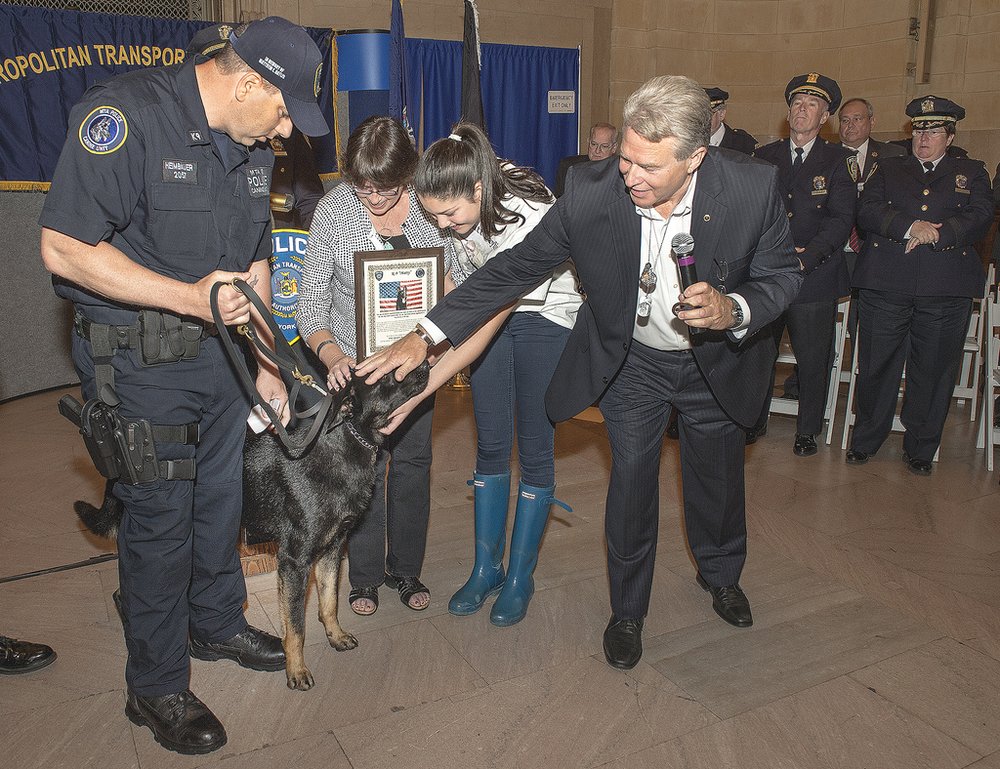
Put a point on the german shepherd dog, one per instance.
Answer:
(307, 505)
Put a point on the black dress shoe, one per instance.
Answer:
(917, 466)
(857, 457)
(23, 656)
(756, 432)
(805, 445)
(251, 648)
(729, 602)
(179, 722)
(623, 642)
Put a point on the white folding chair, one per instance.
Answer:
(972, 354)
(787, 355)
(992, 385)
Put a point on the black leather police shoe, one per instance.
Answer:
(756, 432)
(729, 602)
(23, 656)
(917, 466)
(180, 722)
(623, 642)
(251, 648)
(805, 445)
(857, 457)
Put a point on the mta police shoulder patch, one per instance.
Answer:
(103, 131)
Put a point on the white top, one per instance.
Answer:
(716, 139)
(806, 148)
(557, 298)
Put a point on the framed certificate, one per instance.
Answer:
(393, 289)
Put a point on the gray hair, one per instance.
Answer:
(671, 106)
(607, 126)
(868, 105)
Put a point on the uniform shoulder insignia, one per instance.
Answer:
(103, 131)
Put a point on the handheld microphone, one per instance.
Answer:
(682, 249)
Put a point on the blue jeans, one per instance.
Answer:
(509, 380)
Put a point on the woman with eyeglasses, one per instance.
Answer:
(375, 209)
(916, 276)
(489, 205)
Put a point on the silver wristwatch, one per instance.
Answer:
(737, 313)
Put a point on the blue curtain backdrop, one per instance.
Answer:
(516, 80)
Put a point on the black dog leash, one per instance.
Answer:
(284, 356)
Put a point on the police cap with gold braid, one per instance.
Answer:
(717, 97)
(933, 111)
(814, 84)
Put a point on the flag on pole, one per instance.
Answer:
(397, 70)
(472, 95)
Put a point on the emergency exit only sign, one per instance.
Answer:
(562, 102)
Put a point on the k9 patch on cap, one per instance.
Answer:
(259, 181)
(103, 131)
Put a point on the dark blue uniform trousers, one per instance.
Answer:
(636, 408)
(178, 566)
(927, 334)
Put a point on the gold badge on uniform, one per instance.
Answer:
(819, 185)
(927, 105)
(962, 184)
(853, 168)
(277, 147)
(812, 77)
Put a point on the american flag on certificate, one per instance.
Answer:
(400, 295)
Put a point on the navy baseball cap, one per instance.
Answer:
(285, 56)
(814, 84)
(933, 111)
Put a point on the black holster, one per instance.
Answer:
(125, 449)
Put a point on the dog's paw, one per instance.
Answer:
(343, 642)
(300, 679)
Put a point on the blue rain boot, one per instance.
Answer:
(491, 495)
(529, 523)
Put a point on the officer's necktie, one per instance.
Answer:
(797, 163)
(928, 166)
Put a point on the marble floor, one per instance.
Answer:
(876, 596)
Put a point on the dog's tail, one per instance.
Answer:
(104, 521)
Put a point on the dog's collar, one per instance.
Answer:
(357, 436)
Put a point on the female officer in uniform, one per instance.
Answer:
(916, 276)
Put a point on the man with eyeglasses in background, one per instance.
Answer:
(603, 144)
(916, 277)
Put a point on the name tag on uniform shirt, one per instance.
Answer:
(181, 171)
(259, 180)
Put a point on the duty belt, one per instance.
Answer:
(107, 339)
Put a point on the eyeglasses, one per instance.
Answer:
(602, 147)
(929, 131)
(856, 120)
(363, 193)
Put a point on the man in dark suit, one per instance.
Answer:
(916, 277)
(820, 197)
(603, 144)
(722, 134)
(628, 348)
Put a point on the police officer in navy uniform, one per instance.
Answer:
(295, 184)
(916, 277)
(820, 198)
(724, 135)
(160, 192)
